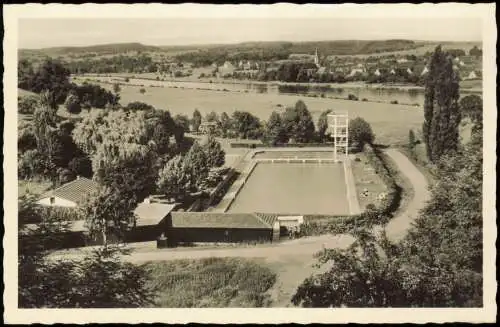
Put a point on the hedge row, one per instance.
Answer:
(372, 215)
(285, 145)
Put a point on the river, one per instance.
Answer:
(364, 92)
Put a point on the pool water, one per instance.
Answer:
(294, 188)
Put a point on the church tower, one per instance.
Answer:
(316, 58)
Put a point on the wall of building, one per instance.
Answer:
(60, 202)
(219, 235)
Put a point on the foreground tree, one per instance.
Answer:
(109, 213)
(98, 280)
(439, 262)
(441, 110)
(360, 276)
(360, 133)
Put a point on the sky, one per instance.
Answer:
(34, 33)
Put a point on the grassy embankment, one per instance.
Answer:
(211, 282)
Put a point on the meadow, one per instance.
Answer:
(211, 282)
(390, 122)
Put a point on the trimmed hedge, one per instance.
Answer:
(285, 145)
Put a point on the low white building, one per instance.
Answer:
(69, 195)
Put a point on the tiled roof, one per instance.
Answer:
(75, 191)
(152, 213)
(217, 220)
(269, 219)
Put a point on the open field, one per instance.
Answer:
(183, 101)
(211, 282)
(422, 48)
(32, 187)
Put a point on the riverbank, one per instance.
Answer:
(469, 86)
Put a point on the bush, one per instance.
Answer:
(364, 100)
(394, 102)
(27, 105)
(142, 90)
(352, 97)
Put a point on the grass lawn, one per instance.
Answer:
(211, 282)
(389, 122)
(32, 187)
(366, 178)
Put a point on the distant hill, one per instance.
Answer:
(101, 49)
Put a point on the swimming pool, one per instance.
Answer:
(294, 188)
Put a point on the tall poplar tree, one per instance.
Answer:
(441, 110)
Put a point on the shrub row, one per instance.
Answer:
(285, 145)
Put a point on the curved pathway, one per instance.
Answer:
(396, 229)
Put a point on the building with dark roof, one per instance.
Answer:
(71, 194)
(210, 227)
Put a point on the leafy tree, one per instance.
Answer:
(25, 74)
(51, 76)
(441, 110)
(196, 162)
(108, 213)
(246, 125)
(471, 106)
(99, 280)
(45, 130)
(116, 88)
(174, 179)
(215, 153)
(137, 105)
(438, 263)
(275, 132)
(26, 140)
(196, 121)
(359, 277)
(129, 168)
(360, 133)
(298, 123)
(81, 166)
(475, 51)
(94, 96)
(183, 122)
(411, 139)
(212, 117)
(31, 163)
(27, 105)
(72, 103)
(323, 124)
(225, 123)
